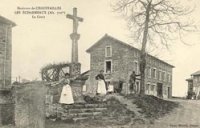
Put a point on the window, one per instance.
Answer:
(168, 78)
(147, 88)
(163, 76)
(152, 87)
(108, 66)
(164, 79)
(148, 72)
(108, 51)
(153, 73)
(158, 75)
(136, 66)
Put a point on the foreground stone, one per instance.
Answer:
(30, 105)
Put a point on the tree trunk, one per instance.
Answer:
(143, 51)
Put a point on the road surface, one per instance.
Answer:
(185, 116)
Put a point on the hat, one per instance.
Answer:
(67, 74)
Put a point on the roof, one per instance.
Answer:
(196, 73)
(7, 21)
(86, 73)
(189, 79)
(123, 43)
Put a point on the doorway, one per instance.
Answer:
(159, 89)
(137, 87)
(169, 92)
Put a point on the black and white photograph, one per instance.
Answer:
(99, 64)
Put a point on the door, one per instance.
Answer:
(169, 92)
(159, 89)
(137, 87)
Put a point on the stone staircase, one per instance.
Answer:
(79, 112)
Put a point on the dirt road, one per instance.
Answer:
(186, 116)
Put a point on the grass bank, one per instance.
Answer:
(153, 107)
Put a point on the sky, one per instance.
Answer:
(40, 41)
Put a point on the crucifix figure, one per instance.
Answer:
(75, 36)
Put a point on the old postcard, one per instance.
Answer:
(99, 64)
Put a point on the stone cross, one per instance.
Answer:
(75, 19)
(75, 36)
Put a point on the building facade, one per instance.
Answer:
(194, 85)
(190, 88)
(119, 60)
(6, 96)
(5, 51)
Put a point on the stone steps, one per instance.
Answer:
(85, 106)
(79, 112)
(82, 114)
(86, 110)
(76, 119)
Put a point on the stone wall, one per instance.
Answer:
(6, 107)
(54, 92)
(30, 105)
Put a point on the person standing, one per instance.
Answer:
(111, 87)
(101, 84)
(132, 82)
(66, 96)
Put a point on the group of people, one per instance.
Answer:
(103, 88)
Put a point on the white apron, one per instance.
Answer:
(110, 88)
(101, 87)
(84, 88)
(66, 95)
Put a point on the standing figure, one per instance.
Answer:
(110, 86)
(101, 84)
(132, 82)
(66, 96)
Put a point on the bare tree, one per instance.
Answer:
(153, 21)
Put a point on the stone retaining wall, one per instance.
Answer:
(6, 107)
(30, 105)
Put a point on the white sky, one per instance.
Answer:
(37, 42)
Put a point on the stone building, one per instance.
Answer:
(190, 88)
(119, 59)
(6, 100)
(194, 83)
(5, 51)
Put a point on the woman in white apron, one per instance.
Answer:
(66, 96)
(101, 85)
